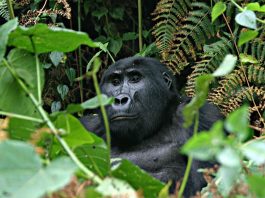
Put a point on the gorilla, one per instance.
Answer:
(146, 120)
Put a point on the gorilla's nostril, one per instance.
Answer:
(124, 100)
(121, 100)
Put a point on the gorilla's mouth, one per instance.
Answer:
(123, 117)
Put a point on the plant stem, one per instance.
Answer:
(102, 109)
(10, 9)
(37, 70)
(23, 117)
(188, 168)
(46, 119)
(79, 51)
(140, 25)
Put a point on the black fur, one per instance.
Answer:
(146, 120)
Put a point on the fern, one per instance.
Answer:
(183, 32)
(166, 16)
(211, 58)
(4, 9)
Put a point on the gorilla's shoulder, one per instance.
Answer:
(208, 114)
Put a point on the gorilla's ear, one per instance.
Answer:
(167, 79)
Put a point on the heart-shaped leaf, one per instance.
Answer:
(62, 90)
(247, 18)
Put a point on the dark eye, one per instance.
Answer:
(135, 78)
(115, 81)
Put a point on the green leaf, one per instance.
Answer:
(56, 57)
(71, 75)
(229, 157)
(237, 122)
(115, 45)
(48, 39)
(218, 9)
(112, 187)
(92, 103)
(76, 133)
(253, 6)
(56, 106)
(256, 7)
(226, 66)
(100, 13)
(19, 129)
(62, 90)
(246, 36)
(255, 151)
(95, 156)
(201, 87)
(245, 58)
(227, 177)
(15, 99)
(22, 172)
(247, 19)
(5, 30)
(205, 145)
(164, 193)
(137, 178)
(256, 185)
(117, 13)
(129, 36)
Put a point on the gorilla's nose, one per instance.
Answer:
(122, 101)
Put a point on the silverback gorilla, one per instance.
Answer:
(146, 120)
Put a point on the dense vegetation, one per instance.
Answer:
(46, 77)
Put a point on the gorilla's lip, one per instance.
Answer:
(123, 117)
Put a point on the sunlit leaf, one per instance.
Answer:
(218, 9)
(247, 19)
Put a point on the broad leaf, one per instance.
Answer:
(56, 57)
(5, 30)
(76, 133)
(95, 156)
(237, 122)
(23, 174)
(218, 9)
(46, 39)
(247, 19)
(15, 99)
(205, 145)
(92, 103)
(227, 176)
(229, 157)
(137, 178)
(201, 87)
(256, 185)
(255, 151)
(246, 36)
(226, 66)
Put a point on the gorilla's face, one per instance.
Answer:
(142, 98)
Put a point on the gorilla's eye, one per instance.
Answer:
(135, 77)
(115, 81)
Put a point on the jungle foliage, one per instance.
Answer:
(46, 152)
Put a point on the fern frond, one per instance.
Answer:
(210, 60)
(232, 83)
(4, 10)
(192, 32)
(236, 100)
(166, 16)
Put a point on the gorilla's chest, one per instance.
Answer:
(160, 159)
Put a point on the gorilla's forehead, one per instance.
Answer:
(143, 63)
